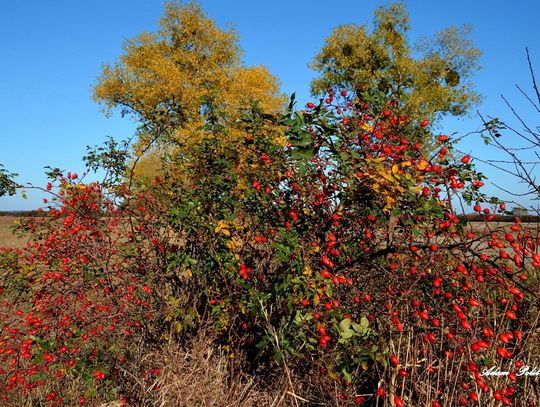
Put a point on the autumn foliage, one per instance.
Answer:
(339, 257)
(319, 249)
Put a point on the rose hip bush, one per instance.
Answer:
(77, 297)
(335, 266)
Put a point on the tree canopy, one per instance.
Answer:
(432, 78)
(187, 75)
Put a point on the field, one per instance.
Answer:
(7, 238)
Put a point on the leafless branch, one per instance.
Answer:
(533, 77)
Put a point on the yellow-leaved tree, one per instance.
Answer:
(432, 82)
(183, 82)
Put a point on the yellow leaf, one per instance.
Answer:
(222, 228)
(386, 175)
(367, 127)
(422, 164)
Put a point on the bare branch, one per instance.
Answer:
(520, 120)
(535, 87)
(528, 98)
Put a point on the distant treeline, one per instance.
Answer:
(22, 213)
(473, 217)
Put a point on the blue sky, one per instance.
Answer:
(52, 53)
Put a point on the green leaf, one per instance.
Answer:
(363, 327)
(348, 334)
(328, 290)
(88, 379)
(299, 318)
(364, 322)
(345, 325)
(346, 331)
(292, 102)
(7, 185)
(92, 391)
(346, 375)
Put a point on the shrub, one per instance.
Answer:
(335, 268)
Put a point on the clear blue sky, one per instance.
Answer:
(53, 50)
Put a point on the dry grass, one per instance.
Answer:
(200, 378)
(197, 376)
(7, 238)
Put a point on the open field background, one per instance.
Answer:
(10, 240)
(7, 238)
